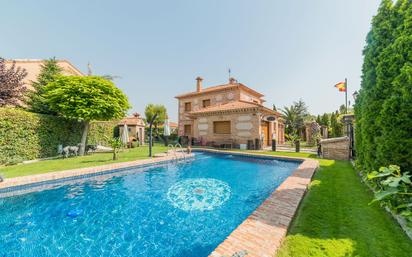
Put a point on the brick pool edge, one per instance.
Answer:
(262, 233)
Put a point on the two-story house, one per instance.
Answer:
(231, 111)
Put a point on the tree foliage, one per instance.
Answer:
(12, 88)
(336, 125)
(325, 120)
(49, 72)
(383, 108)
(151, 110)
(294, 117)
(86, 99)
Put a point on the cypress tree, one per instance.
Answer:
(333, 124)
(384, 107)
(325, 119)
(394, 144)
(368, 104)
(318, 120)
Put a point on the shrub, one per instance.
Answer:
(393, 189)
(26, 135)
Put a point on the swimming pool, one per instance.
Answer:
(184, 209)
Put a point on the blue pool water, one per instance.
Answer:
(179, 210)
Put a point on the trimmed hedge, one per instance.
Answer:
(101, 131)
(26, 135)
(383, 109)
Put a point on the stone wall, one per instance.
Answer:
(216, 98)
(244, 126)
(336, 148)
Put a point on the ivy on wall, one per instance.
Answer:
(26, 135)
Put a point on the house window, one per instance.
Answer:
(221, 127)
(188, 106)
(206, 103)
(188, 130)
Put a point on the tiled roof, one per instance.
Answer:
(221, 87)
(234, 106)
(173, 124)
(132, 121)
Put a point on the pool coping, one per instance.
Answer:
(262, 233)
(20, 183)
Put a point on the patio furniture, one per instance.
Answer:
(227, 143)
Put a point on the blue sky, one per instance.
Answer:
(284, 49)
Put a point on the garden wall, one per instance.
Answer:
(336, 148)
(26, 135)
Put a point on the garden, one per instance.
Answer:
(361, 207)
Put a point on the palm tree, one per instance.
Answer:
(294, 117)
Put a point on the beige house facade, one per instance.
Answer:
(229, 113)
(33, 68)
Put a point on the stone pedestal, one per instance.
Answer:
(336, 148)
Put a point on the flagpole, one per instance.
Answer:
(346, 95)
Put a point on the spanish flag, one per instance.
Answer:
(341, 86)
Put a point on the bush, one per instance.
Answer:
(393, 189)
(26, 135)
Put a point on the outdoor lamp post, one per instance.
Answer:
(355, 95)
(151, 134)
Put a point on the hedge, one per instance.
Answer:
(101, 131)
(383, 109)
(26, 135)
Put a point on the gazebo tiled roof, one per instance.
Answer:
(134, 120)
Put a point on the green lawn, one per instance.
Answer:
(77, 162)
(335, 219)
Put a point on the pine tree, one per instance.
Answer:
(50, 70)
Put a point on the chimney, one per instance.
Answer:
(199, 84)
(136, 115)
(232, 80)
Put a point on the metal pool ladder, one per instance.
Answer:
(172, 149)
(178, 147)
(175, 149)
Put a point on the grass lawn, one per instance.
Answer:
(334, 218)
(95, 159)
